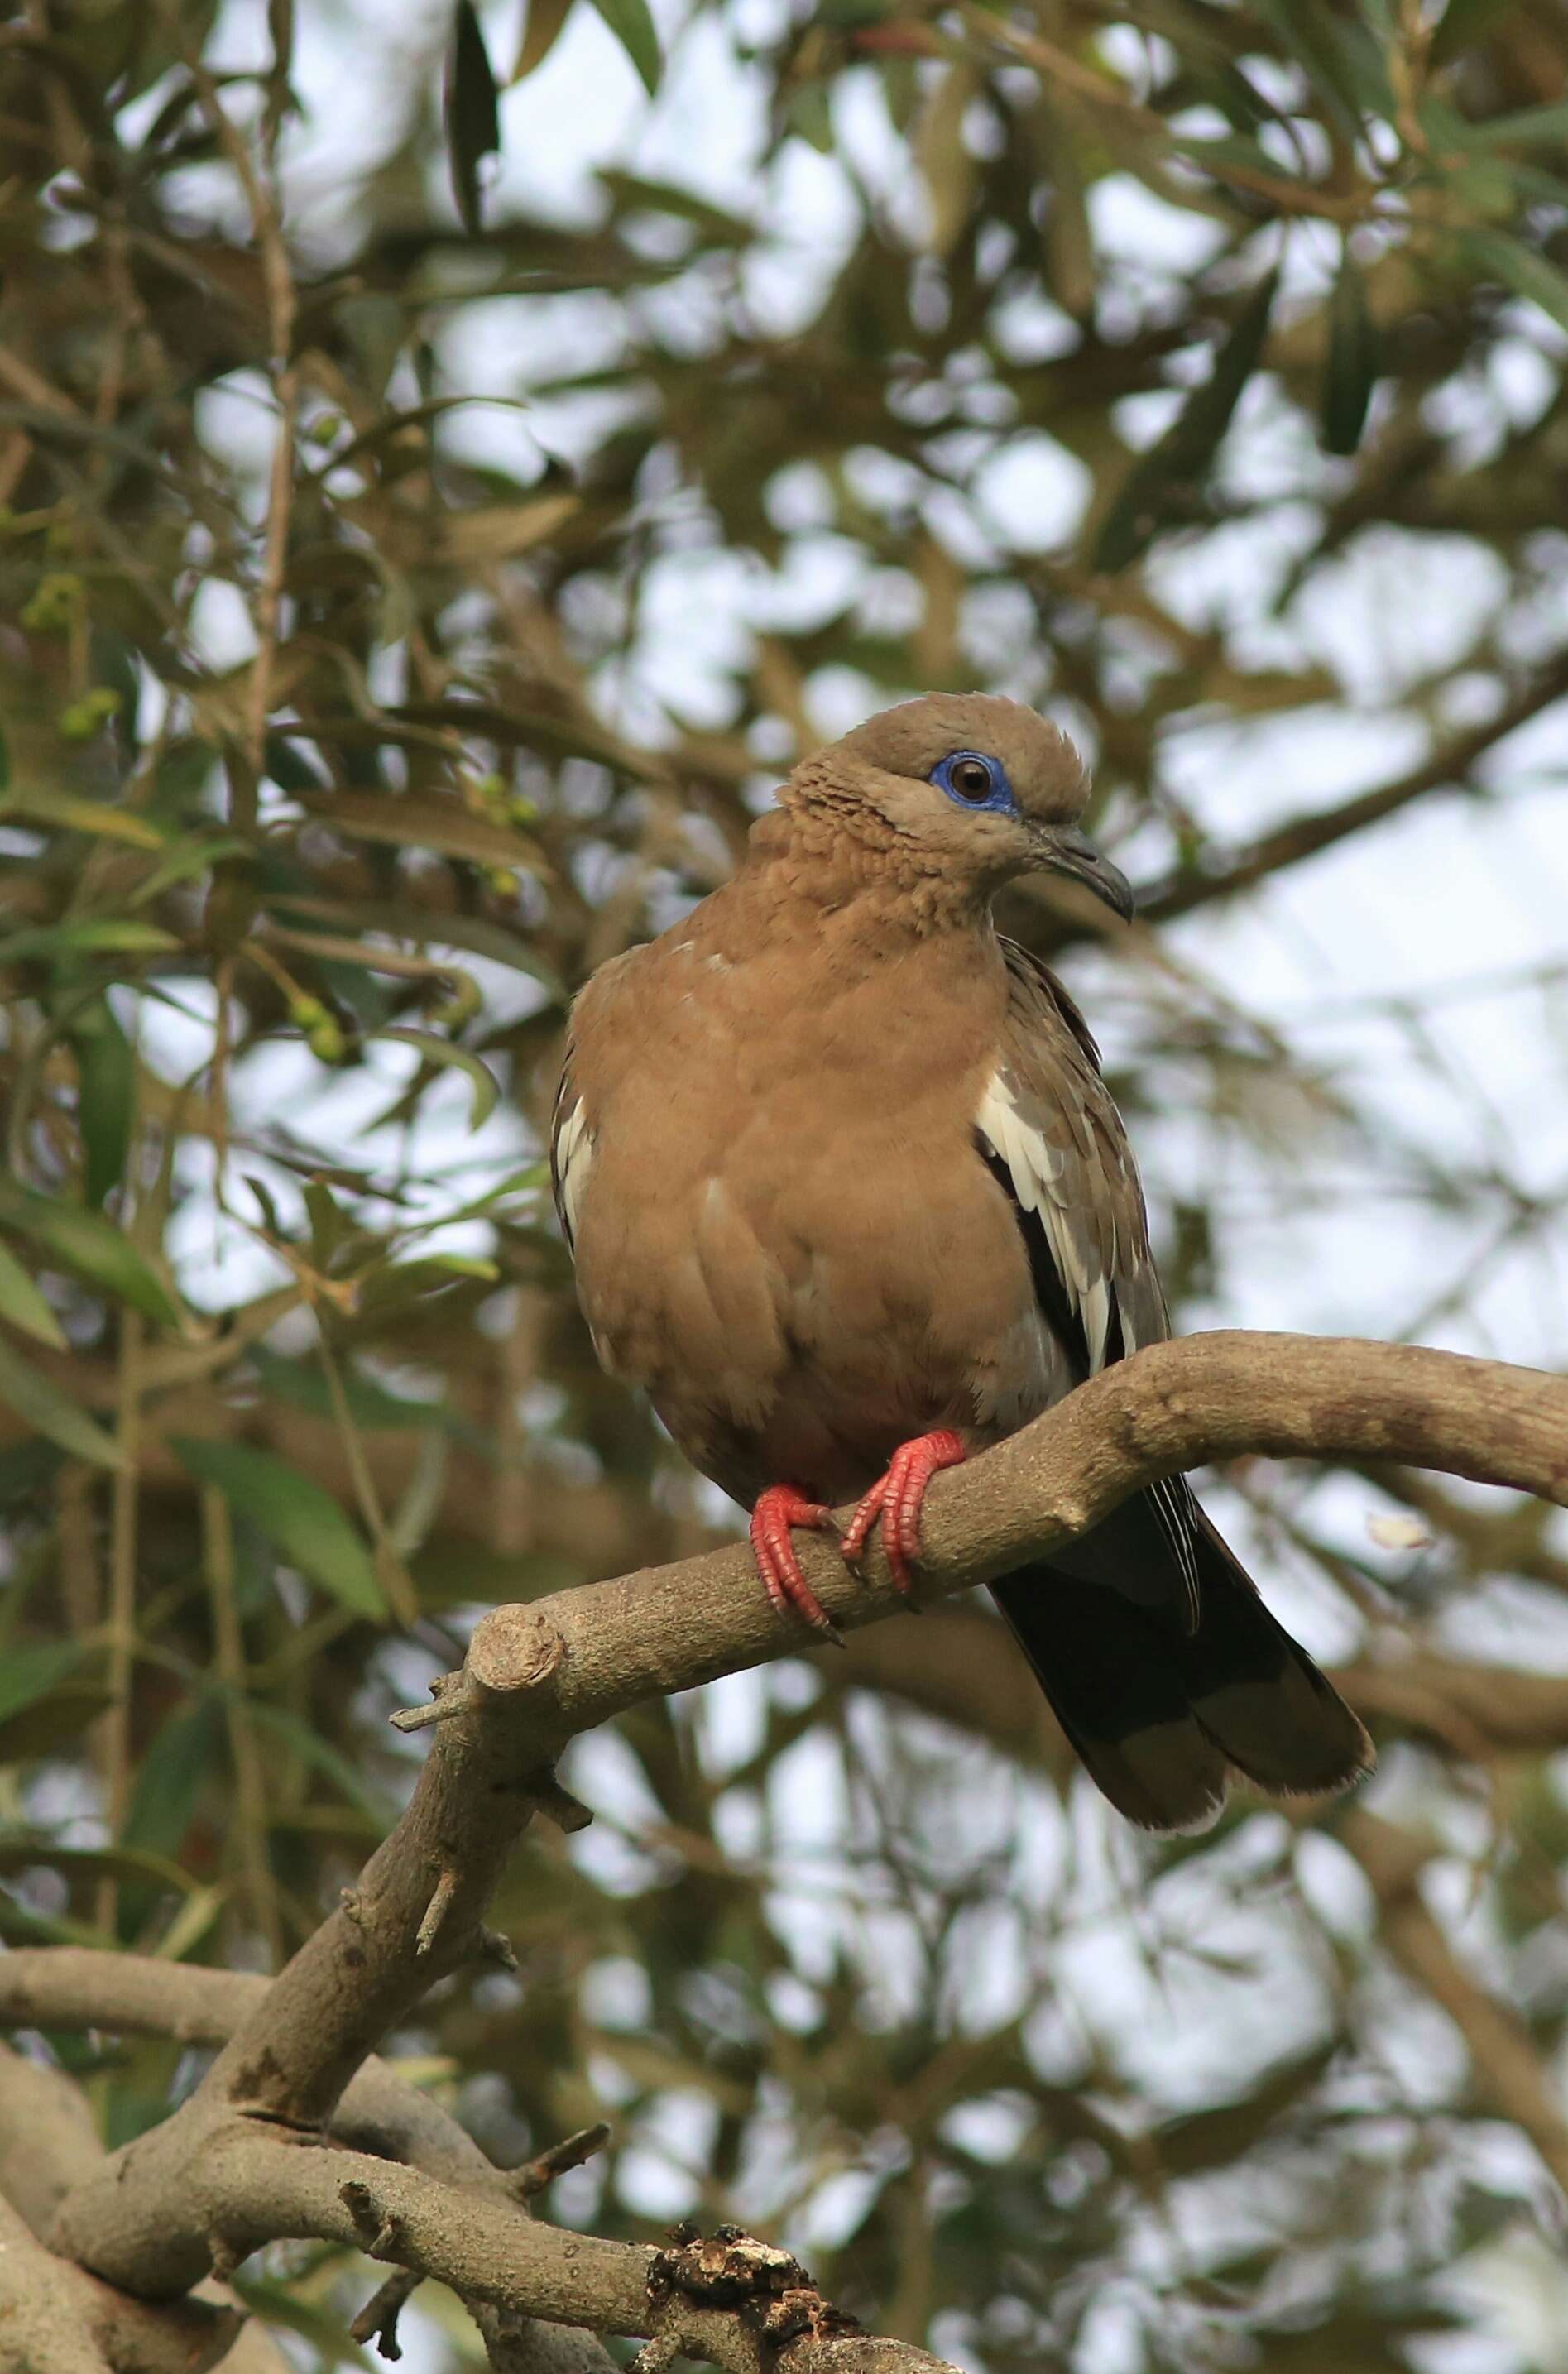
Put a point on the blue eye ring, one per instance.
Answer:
(974, 781)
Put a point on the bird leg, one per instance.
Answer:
(780, 1506)
(898, 1500)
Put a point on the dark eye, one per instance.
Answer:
(971, 778)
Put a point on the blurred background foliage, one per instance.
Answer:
(450, 468)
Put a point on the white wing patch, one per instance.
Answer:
(571, 1157)
(1036, 1171)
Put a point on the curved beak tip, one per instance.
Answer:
(1073, 853)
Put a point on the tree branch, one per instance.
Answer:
(1509, 2069)
(1299, 836)
(381, 2113)
(54, 2317)
(536, 1676)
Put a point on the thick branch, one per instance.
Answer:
(536, 1676)
(54, 2317)
(380, 2113)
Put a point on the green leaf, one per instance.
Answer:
(526, 1181)
(300, 1385)
(1351, 365)
(30, 1673)
(23, 1304)
(1527, 127)
(445, 1054)
(35, 1853)
(294, 1512)
(541, 30)
(632, 26)
(173, 1773)
(473, 125)
(263, 1193)
(106, 1096)
(404, 1282)
(1180, 462)
(1498, 255)
(1465, 22)
(468, 932)
(107, 938)
(59, 811)
(326, 1759)
(40, 1403)
(92, 1249)
(194, 856)
(1341, 61)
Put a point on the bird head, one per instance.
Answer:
(977, 786)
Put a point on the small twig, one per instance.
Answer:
(377, 2321)
(421, 1718)
(558, 1804)
(451, 1698)
(570, 2152)
(360, 2204)
(436, 1911)
(495, 1947)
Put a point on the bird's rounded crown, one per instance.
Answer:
(1038, 764)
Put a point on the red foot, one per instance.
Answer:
(897, 1499)
(780, 1506)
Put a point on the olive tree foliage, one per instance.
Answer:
(413, 577)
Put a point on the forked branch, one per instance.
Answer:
(536, 1676)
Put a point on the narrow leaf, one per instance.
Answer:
(1525, 128)
(40, 1403)
(304, 1522)
(541, 29)
(1498, 255)
(1464, 23)
(173, 1773)
(107, 938)
(30, 1673)
(23, 1304)
(473, 125)
(59, 810)
(34, 1853)
(326, 1759)
(1350, 366)
(106, 1096)
(444, 1054)
(1177, 466)
(300, 1384)
(92, 1249)
(632, 26)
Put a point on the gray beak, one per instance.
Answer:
(1064, 850)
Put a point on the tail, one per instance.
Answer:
(1158, 1708)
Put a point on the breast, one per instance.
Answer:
(784, 1235)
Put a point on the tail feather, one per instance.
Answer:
(1158, 1712)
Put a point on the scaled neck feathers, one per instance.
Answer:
(827, 847)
